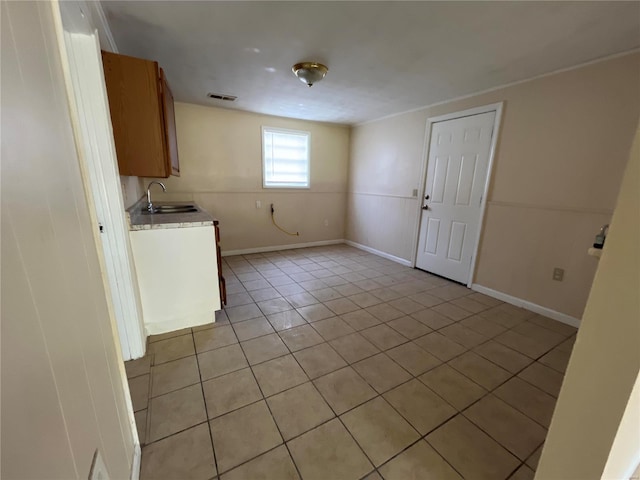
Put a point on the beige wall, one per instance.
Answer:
(221, 170)
(132, 189)
(560, 157)
(62, 393)
(605, 362)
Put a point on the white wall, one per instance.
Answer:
(221, 169)
(605, 362)
(625, 452)
(132, 189)
(560, 157)
(62, 391)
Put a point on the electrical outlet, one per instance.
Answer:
(326, 222)
(558, 274)
(258, 204)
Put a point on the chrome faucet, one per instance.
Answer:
(149, 204)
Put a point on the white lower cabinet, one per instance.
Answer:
(177, 275)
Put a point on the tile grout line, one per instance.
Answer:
(147, 427)
(381, 395)
(336, 416)
(406, 278)
(469, 349)
(264, 399)
(489, 391)
(291, 352)
(206, 409)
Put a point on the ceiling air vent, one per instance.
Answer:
(220, 96)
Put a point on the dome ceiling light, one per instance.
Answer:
(309, 72)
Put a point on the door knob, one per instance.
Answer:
(425, 207)
(427, 197)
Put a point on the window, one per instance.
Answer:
(285, 158)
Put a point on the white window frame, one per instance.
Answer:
(293, 132)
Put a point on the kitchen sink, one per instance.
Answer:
(161, 209)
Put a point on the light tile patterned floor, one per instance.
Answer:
(332, 363)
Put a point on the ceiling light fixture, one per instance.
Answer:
(309, 72)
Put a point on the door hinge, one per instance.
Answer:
(101, 227)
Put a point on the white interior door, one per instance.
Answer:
(456, 174)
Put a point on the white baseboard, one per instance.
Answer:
(534, 307)
(275, 248)
(135, 465)
(388, 256)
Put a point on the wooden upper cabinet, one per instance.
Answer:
(142, 116)
(170, 126)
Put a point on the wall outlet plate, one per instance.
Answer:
(558, 274)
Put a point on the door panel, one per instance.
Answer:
(456, 240)
(440, 173)
(433, 228)
(465, 179)
(456, 175)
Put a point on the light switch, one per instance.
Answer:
(258, 204)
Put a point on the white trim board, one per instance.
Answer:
(504, 85)
(321, 243)
(99, 20)
(89, 110)
(275, 248)
(539, 309)
(135, 464)
(388, 256)
(534, 307)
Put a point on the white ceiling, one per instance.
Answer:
(383, 57)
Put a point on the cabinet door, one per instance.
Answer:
(173, 163)
(136, 115)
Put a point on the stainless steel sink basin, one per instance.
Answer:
(171, 209)
(175, 207)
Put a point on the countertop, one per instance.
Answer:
(141, 221)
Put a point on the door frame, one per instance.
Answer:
(79, 48)
(89, 110)
(493, 107)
